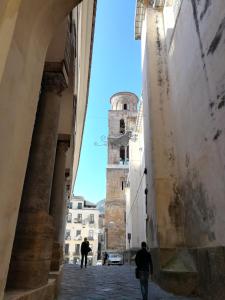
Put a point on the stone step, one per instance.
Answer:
(179, 275)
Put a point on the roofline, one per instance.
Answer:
(123, 93)
(140, 8)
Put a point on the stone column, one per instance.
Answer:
(58, 204)
(31, 255)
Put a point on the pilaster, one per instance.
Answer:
(34, 234)
(58, 204)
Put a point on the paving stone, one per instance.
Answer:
(107, 283)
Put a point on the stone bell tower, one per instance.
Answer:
(121, 120)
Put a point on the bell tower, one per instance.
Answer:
(121, 122)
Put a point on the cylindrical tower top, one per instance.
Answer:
(124, 101)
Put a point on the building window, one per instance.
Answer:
(69, 218)
(70, 205)
(79, 205)
(78, 232)
(77, 249)
(125, 106)
(122, 181)
(79, 218)
(67, 246)
(122, 155)
(91, 235)
(67, 235)
(122, 126)
(92, 218)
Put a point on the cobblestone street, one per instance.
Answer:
(106, 282)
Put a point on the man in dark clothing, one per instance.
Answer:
(143, 261)
(106, 256)
(84, 252)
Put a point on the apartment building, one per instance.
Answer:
(82, 221)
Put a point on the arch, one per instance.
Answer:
(122, 155)
(122, 126)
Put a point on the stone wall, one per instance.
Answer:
(115, 208)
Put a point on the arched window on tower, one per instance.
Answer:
(122, 126)
(122, 155)
(125, 106)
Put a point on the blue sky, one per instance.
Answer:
(116, 66)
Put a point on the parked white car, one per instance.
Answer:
(115, 259)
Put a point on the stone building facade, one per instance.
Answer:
(122, 117)
(183, 54)
(45, 56)
(82, 221)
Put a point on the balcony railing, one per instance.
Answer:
(76, 220)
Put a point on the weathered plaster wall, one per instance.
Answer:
(196, 56)
(135, 195)
(128, 218)
(183, 95)
(164, 225)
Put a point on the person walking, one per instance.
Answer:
(106, 256)
(84, 252)
(144, 264)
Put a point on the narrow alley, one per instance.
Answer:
(112, 129)
(103, 282)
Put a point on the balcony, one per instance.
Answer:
(76, 220)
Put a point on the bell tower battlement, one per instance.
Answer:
(122, 119)
(124, 101)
